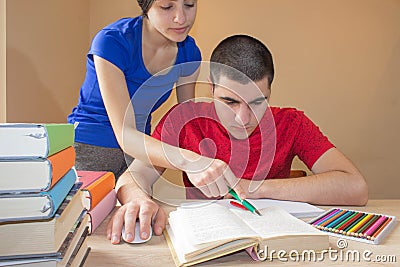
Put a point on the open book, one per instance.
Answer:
(200, 233)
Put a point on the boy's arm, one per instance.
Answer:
(134, 189)
(335, 181)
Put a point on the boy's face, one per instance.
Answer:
(240, 107)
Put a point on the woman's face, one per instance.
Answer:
(173, 18)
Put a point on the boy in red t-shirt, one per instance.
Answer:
(258, 142)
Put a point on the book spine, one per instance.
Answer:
(61, 189)
(102, 209)
(59, 137)
(99, 189)
(61, 162)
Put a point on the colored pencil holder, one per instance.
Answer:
(360, 226)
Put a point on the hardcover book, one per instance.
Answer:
(32, 206)
(88, 177)
(101, 210)
(26, 140)
(35, 174)
(42, 236)
(73, 251)
(93, 193)
(202, 233)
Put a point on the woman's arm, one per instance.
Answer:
(211, 176)
(185, 87)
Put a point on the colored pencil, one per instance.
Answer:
(349, 220)
(367, 224)
(321, 223)
(345, 222)
(362, 226)
(244, 202)
(332, 226)
(363, 235)
(333, 220)
(346, 217)
(380, 229)
(325, 217)
(370, 231)
(360, 223)
(354, 221)
(238, 205)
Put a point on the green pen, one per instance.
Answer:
(244, 202)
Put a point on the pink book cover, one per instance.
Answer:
(88, 177)
(253, 254)
(101, 210)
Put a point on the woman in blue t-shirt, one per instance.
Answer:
(132, 66)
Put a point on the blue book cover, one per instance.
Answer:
(32, 206)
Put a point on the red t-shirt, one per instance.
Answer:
(282, 134)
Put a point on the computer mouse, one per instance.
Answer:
(137, 238)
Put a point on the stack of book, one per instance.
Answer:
(42, 219)
(98, 195)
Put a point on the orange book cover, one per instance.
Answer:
(96, 191)
(61, 163)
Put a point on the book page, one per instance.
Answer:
(297, 209)
(208, 223)
(275, 222)
(184, 251)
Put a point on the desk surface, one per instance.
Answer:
(156, 251)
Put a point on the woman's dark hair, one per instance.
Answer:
(145, 6)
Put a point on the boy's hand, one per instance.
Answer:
(250, 187)
(215, 178)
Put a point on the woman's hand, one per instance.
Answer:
(144, 209)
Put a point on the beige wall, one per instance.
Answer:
(3, 60)
(103, 12)
(46, 44)
(338, 61)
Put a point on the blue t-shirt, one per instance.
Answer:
(121, 44)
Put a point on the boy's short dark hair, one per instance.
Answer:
(247, 55)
